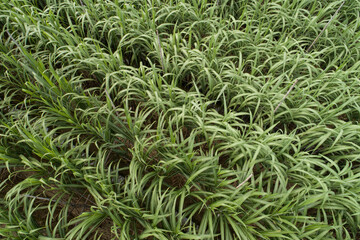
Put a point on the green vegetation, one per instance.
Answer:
(134, 119)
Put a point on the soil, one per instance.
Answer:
(80, 203)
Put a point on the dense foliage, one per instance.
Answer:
(134, 119)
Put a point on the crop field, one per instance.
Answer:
(179, 119)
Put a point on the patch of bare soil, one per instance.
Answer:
(78, 203)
